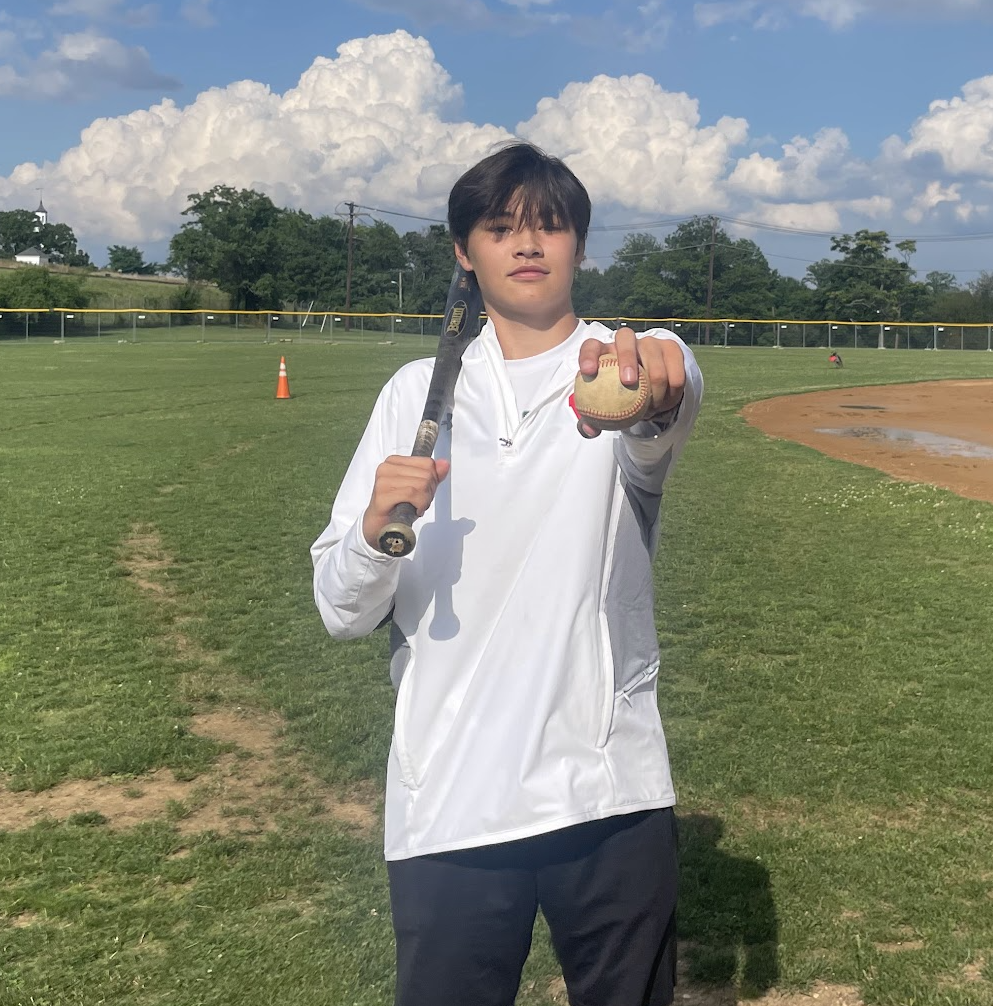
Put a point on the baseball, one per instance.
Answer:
(606, 402)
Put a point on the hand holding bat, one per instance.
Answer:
(401, 480)
(411, 486)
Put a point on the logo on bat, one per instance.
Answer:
(456, 319)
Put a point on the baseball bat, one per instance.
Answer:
(460, 327)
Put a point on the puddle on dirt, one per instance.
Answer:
(933, 443)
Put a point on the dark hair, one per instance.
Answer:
(524, 178)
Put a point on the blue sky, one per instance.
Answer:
(789, 119)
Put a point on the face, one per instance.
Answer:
(525, 271)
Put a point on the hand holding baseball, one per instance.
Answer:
(659, 360)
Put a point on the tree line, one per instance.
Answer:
(266, 257)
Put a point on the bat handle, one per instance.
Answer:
(397, 538)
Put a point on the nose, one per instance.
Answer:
(529, 243)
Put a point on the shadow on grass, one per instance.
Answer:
(727, 917)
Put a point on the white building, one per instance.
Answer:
(32, 256)
(36, 254)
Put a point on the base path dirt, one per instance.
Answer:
(939, 432)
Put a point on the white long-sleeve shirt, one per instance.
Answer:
(524, 649)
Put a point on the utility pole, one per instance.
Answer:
(348, 271)
(710, 278)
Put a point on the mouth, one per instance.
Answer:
(529, 272)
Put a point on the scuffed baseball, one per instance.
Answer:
(608, 404)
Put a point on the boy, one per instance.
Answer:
(528, 766)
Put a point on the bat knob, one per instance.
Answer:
(397, 540)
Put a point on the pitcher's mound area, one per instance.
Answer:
(939, 432)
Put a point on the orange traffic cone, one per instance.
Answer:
(283, 385)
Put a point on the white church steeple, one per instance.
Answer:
(41, 213)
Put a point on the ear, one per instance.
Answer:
(580, 254)
(462, 258)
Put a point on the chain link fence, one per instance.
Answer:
(212, 326)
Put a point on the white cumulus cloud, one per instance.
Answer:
(822, 215)
(633, 143)
(934, 195)
(81, 64)
(378, 124)
(957, 131)
(808, 169)
(365, 126)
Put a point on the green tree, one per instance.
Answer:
(955, 306)
(131, 260)
(37, 287)
(591, 295)
(867, 283)
(636, 285)
(793, 299)
(233, 240)
(742, 285)
(981, 289)
(17, 232)
(940, 283)
(429, 261)
(377, 258)
(59, 242)
(313, 258)
(20, 230)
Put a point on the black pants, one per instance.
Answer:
(463, 920)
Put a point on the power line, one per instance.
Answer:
(740, 221)
(397, 213)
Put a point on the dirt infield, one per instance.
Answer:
(940, 432)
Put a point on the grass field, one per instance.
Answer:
(114, 293)
(825, 690)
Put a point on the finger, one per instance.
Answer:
(658, 377)
(590, 353)
(654, 359)
(399, 481)
(626, 343)
(587, 430)
(671, 394)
